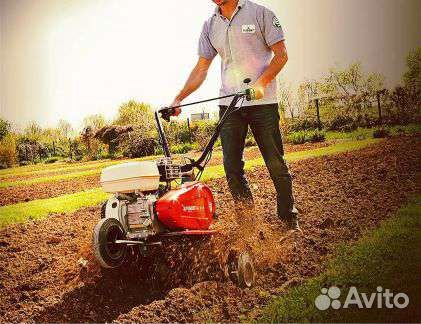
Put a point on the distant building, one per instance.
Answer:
(199, 116)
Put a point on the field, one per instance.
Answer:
(344, 189)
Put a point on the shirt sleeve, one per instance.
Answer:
(273, 32)
(206, 49)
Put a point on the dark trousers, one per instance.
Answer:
(264, 124)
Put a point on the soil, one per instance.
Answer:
(47, 273)
(13, 195)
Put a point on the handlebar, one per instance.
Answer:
(249, 94)
(201, 162)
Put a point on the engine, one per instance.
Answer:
(140, 213)
(144, 209)
(135, 212)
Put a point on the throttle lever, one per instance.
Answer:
(249, 92)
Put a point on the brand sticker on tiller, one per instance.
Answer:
(248, 29)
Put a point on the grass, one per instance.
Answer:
(389, 256)
(364, 133)
(51, 178)
(62, 167)
(217, 171)
(40, 208)
(80, 170)
(48, 168)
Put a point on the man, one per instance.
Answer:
(250, 41)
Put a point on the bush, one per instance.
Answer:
(8, 150)
(297, 137)
(202, 131)
(181, 148)
(177, 132)
(31, 150)
(342, 123)
(24, 163)
(317, 136)
(299, 124)
(302, 137)
(381, 133)
(139, 147)
(52, 159)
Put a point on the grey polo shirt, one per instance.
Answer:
(244, 46)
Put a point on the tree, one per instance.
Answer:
(96, 121)
(307, 92)
(286, 100)
(33, 131)
(65, 128)
(412, 81)
(51, 137)
(4, 128)
(143, 137)
(7, 150)
(352, 87)
(412, 76)
(135, 113)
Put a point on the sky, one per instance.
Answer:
(66, 59)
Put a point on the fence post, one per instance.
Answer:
(379, 107)
(319, 124)
(188, 126)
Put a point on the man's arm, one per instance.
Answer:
(276, 65)
(195, 80)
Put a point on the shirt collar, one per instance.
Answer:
(241, 4)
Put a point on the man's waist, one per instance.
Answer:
(230, 87)
(245, 103)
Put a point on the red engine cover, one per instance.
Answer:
(189, 207)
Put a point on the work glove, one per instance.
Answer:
(255, 93)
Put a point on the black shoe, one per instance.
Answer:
(292, 225)
(291, 222)
(292, 230)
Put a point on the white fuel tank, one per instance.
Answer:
(130, 176)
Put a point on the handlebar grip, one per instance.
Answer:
(166, 113)
(250, 94)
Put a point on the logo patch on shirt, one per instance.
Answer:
(248, 29)
(276, 22)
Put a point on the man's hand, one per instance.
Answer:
(176, 103)
(278, 62)
(256, 92)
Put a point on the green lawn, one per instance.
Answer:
(364, 133)
(78, 168)
(69, 203)
(389, 257)
(41, 208)
(217, 171)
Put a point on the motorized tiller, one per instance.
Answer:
(146, 207)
